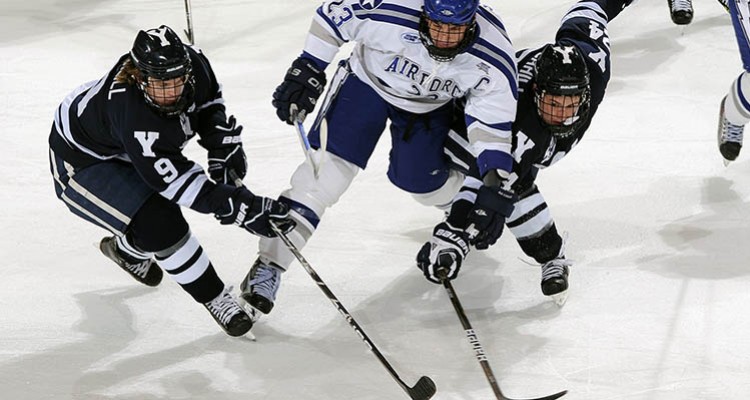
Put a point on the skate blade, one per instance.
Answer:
(249, 336)
(560, 298)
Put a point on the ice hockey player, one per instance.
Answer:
(411, 59)
(560, 88)
(117, 162)
(734, 110)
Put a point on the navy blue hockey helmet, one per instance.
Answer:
(446, 16)
(160, 55)
(456, 12)
(561, 71)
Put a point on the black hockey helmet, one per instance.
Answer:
(452, 12)
(561, 70)
(159, 54)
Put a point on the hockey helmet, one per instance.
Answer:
(561, 71)
(160, 55)
(446, 13)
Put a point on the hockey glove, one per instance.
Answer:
(446, 250)
(254, 213)
(297, 95)
(225, 151)
(486, 219)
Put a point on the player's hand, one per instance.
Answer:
(297, 95)
(255, 213)
(446, 250)
(486, 219)
(225, 152)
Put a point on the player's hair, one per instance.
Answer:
(128, 73)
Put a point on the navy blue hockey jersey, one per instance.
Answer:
(584, 26)
(106, 120)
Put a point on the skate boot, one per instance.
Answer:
(729, 136)
(228, 313)
(681, 11)
(555, 279)
(144, 271)
(260, 286)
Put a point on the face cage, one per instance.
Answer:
(564, 130)
(445, 54)
(176, 108)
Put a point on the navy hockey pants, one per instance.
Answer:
(107, 194)
(356, 117)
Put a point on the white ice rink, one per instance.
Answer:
(658, 230)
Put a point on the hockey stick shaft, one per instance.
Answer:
(424, 388)
(477, 346)
(189, 16)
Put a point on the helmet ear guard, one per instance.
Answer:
(159, 54)
(561, 70)
(448, 12)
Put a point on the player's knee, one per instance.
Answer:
(158, 225)
(443, 196)
(334, 177)
(544, 247)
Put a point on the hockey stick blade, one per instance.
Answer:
(424, 389)
(550, 397)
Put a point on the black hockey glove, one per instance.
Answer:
(486, 219)
(297, 95)
(225, 151)
(446, 250)
(254, 213)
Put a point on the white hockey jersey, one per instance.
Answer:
(390, 58)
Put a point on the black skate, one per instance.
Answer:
(555, 279)
(681, 11)
(144, 271)
(260, 286)
(729, 136)
(228, 313)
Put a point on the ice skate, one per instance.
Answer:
(144, 271)
(228, 313)
(729, 136)
(555, 279)
(681, 11)
(259, 288)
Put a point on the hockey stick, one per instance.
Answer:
(424, 388)
(189, 16)
(476, 346)
(302, 136)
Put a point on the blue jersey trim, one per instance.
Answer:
(510, 75)
(494, 159)
(302, 210)
(494, 21)
(503, 126)
(330, 24)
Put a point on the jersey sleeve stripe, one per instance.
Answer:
(493, 20)
(505, 127)
(62, 120)
(335, 30)
(493, 159)
(588, 5)
(320, 49)
(413, 23)
(588, 14)
(178, 191)
(499, 63)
